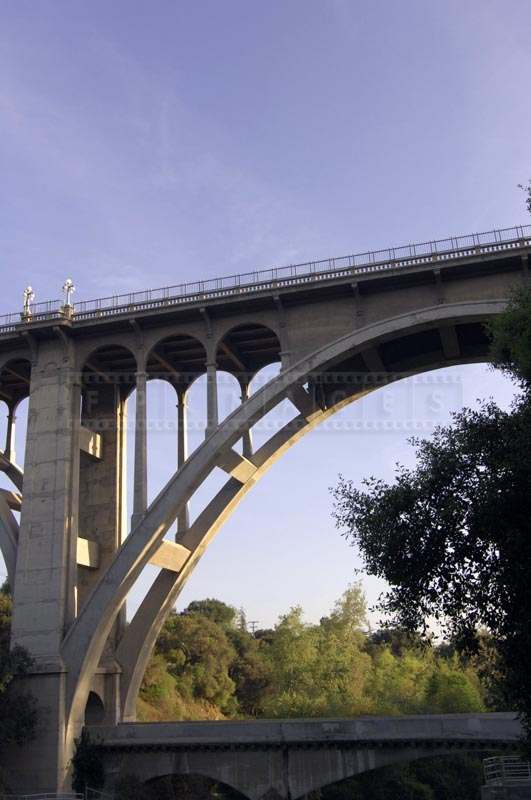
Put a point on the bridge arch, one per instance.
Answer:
(326, 772)
(179, 359)
(356, 354)
(246, 348)
(188, 784)
(94, 709)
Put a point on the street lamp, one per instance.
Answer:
(68, 291)
(29, 297)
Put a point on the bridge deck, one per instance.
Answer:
(496, 729)
(424, 255)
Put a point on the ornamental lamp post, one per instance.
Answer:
(29, 297)
(68, 291)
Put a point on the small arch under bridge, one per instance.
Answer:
(337, 330)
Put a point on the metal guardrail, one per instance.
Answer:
(504, 770)
(89, 794)
(276, 277)
(47, 796)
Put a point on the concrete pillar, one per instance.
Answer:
(212, 397)
(103, 517)
(103, 482)
(183, 522)
(44, 586)
(140, 466)
(247, 438)
(10, 435)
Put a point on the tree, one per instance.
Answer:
(511, 338)
(451, 535)
(87, 764)
(215, 610)
(198, 654)
(527, 190)
(250, 671)
(17, 708)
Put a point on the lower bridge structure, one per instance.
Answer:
(334, 330)
(287, 759)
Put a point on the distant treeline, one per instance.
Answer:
(208, 665)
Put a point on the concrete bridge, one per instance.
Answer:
(289, 758)
(337, 329)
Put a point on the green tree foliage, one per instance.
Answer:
(451, 535)
(511, 338)
(250, 672)
(87, 764)
(333, 668)
(198, 655)
(216, 611)
(527, 190)
(17, 707)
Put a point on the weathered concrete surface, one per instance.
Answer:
(293, 757)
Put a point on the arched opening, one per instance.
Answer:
(193, 786)
(242, 353)
(15, 379)
(94, 710)
(447, 776)
(178, 359)
(246, 349)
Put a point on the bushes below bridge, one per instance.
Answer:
(17, 709)
(207, 665)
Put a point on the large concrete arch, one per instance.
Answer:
(86, 637)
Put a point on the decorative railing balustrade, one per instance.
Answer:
(47, 796)
(273, 278)
(88, 794)
(502, 770)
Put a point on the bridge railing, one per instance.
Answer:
(46, 796)
(502, 770)
(276, 277)
(88, 794)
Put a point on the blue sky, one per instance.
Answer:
(147, 143)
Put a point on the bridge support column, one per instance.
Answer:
(103, 520)
(44, 586)
(140, 467)
(10, 435)
(183, 522)
(212, 397)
